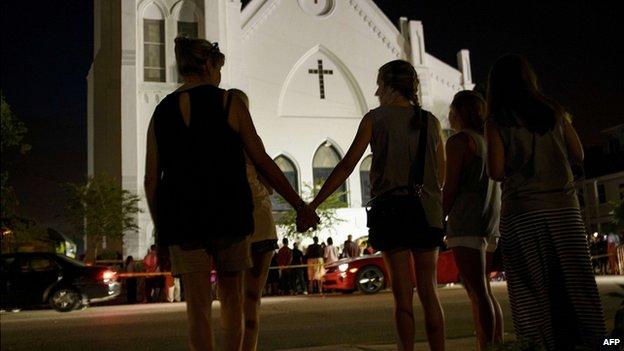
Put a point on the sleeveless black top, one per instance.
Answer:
(203, 196)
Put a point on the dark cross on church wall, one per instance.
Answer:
(321, 72)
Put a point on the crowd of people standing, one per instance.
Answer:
(288, 274)
(301, 272)
(515, 137)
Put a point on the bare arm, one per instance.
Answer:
(573, 143)
(348, 163)
(242, 122)
(152, 170)
(455, 149)
(495, 152)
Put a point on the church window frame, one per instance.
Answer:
(320, 174)
(365, 185)
(190, 29)
(288, 166)
(154, 47)
(185, 13)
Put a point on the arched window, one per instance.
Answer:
(289, 170)
(188, 21)
(365, 178)
(325, 159)
(153, 45)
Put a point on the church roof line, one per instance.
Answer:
(367, 8)
(444, 73)
(257, 11)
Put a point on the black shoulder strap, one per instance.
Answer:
(417, 169)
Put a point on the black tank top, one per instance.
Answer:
(203, 196)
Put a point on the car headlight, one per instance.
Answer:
(109, 276)
(343, 267)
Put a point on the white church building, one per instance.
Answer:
(309, 68)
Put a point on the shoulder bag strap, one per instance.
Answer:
(417, 170)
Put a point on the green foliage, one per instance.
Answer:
(326, 211)
(103, 208)
(13, 131)
(617, 214)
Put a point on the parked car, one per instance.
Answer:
(368, 273)
(65, 284)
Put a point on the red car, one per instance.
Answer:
(368, 273)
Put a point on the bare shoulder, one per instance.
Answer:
(368, 117)
(460, 139)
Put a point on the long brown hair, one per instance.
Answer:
(192, 55)
(401, 76)
(513, 87)
(471, 108)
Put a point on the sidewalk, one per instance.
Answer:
(451, 344)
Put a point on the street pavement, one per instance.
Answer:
(294, 323)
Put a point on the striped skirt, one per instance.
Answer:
(552, 290)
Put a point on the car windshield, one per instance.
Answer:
(71, 260)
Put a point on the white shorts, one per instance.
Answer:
(473, 242)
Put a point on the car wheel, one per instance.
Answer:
(370, 280)
(65, 300)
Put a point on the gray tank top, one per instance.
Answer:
(476, 208)
(537, 172)
(394, 144)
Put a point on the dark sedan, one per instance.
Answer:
(43, 278)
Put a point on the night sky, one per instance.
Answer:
(46, 51)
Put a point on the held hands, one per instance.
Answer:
(306, 218)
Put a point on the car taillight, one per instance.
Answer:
(109, 276)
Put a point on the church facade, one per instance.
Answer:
(309, 68)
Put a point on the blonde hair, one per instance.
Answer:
(193, 54)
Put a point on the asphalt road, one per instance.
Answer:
(286, 322)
